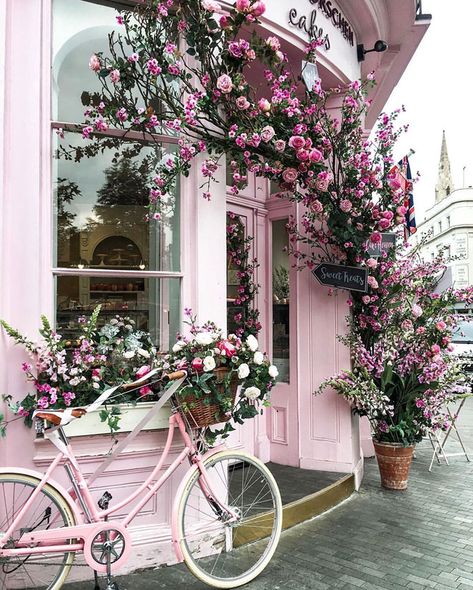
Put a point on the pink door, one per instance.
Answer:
(281, 282)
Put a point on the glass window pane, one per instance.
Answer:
(153, 304)
(280, 270)
(100, 211)
(79, 29)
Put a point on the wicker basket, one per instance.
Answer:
(201, 415)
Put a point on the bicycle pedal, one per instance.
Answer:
(104, 502)
(112, 586)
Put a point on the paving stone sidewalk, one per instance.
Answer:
(417, 539)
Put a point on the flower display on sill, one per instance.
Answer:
(68, 373)
(403, 371)
(227, 372)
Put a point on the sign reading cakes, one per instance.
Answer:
(311, 23)
(353, 278)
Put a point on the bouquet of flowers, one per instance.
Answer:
(65, 372)
(230, 376)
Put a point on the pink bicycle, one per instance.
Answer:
(226, 519)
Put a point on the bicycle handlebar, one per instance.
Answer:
(165, 378)
(174, 376)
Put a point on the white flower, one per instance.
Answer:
(129, 354)
(273, 371)
(95, 385)
(178, 346)
(258, 357)
(205, 338)
(252, 392)
(209, 363)
(143, 352)
(243, 371)
(252, 343)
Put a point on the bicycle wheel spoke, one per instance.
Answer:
(46, 509)
(230, 525)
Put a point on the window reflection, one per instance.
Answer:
(100, 211)
(280, 275)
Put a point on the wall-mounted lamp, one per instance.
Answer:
(310, 74)
(379, 47)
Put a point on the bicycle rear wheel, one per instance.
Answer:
(49, 510)
(229, 547)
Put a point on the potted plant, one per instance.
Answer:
(403, 373)
(228, 378)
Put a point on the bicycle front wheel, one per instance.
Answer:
(35, 571)
(229, 519)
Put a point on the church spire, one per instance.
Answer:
(444, 182)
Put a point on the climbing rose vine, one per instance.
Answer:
(181, 69)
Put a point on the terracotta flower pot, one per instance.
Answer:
(394, 462)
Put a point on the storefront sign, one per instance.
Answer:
(388, 241)
(353, 278)
(310, 23)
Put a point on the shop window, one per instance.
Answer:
(105, 252)
(281, 295)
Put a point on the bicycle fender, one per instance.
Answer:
(176, 541)
(58, 487)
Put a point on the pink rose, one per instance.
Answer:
(376, 237)
(297, 142)
(274, 43)
(366, 299)
(290, 175)
(267, 133)
(226, 348)
(441, 325)
(242, 5)
(315, 155)
(225, 84)
(258, 8)
(372, 282)
(345, 205)
(197, 364)
(264, 105)
(420, 330)
(114, 76)
(94, 63)
(224, 22)
(371, 263)
(142, 371)
(317, 206)
(384, 224)
(280, 145)
(242, 103)
(145, 391)
(302, 155)
(435, 348)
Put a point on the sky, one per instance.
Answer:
(437, 91)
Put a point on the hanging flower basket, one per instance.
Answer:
(200, 413)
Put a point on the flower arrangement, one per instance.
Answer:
(206, 351)
(65, 372)
(403, 372)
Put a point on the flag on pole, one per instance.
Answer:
(410, 227)
(401, 173)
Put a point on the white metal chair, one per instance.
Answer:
(439, 438)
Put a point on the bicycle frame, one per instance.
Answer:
(66, 539)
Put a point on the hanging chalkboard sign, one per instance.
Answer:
(388, 241)
(352, 278)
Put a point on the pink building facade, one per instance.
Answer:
(61, 257)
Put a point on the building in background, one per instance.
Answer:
(448, 225)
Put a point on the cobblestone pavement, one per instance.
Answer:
(378, 539)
